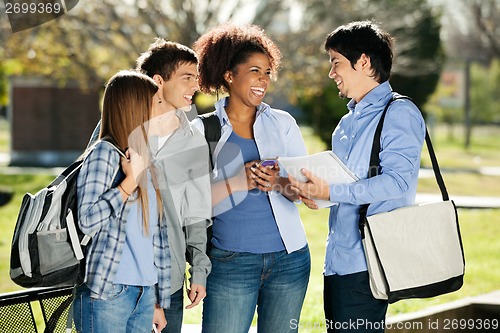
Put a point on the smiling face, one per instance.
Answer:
(352, 82)
(177, 93)
(250, 80)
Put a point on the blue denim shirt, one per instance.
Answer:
(276, 134)
(402, 138)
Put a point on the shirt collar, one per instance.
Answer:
(220, 109)
(380, 95)
(184, 122)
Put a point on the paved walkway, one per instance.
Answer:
(461, 201)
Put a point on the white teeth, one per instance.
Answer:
(188, 96)
(258, 90)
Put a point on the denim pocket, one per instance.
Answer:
(221, 255)
(118, 290)
(304, 249)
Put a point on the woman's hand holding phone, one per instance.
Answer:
(265, 174)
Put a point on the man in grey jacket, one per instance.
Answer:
(180, 152)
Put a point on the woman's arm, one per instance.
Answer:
(244, 180)
(97, 201)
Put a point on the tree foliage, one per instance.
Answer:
(485, 95)
(472, 29)
(472, 36)
(97, 38)
(418, 54)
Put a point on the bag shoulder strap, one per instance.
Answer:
(213, 132)
(375, 158)
(122, 154)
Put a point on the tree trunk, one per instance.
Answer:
(467, 117)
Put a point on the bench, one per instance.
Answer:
(17, 315)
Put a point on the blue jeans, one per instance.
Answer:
(175, 313)
(129, 310)
(275, 283)
(350, 305)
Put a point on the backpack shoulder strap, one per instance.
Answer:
(213, 132)
(108, 141)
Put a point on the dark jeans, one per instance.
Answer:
(274, 283)
(350, 305)
(174, 314)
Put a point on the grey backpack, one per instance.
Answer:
(48, 249)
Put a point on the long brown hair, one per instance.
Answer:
(127, 106)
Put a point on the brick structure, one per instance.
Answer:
(50, 125)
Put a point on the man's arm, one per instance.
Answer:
(196, 217)
(196, 244)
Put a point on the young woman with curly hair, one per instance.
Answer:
(260, 257)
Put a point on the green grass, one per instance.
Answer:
(480, 228)
(4, 135)
(8, 216)
(463, 183)
(484, 150)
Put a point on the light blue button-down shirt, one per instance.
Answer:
(276, 134)
(402, 138)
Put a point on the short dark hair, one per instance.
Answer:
(354, 39)
(163, 57)
(226, 46)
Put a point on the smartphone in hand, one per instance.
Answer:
(267, 162)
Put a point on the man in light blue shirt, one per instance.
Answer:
(361, 59)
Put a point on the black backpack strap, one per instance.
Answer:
(213, 132)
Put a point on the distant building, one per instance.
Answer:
(50, 125)
(453, 82)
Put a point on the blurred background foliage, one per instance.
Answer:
(446, 57)
(97, 38)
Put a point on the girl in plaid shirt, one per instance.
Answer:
(127, 282)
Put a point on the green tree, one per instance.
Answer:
(472, 35)
(485, 93)
(97, 38)
(418, 55)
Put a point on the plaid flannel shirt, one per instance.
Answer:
(102, 214)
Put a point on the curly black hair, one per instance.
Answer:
(226, 46)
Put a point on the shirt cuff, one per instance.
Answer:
(199, 278)
(114, 197)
